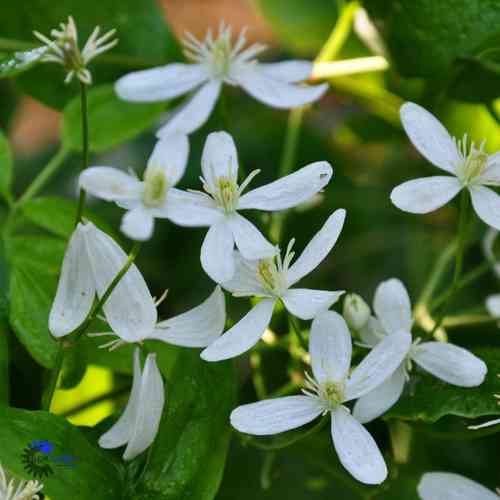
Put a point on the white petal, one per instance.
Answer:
(491, 174)
(243, 335)
(493, 305)
(306, 303)
(275, 415)
(448, 486)
(217, 252)
(138, 223)
(318, 248)
(381, 362)
(377, 402)
(197, 327)
(287, 71)
(75, 290)
(110, 184)
(249, 239)
(219, 159)
(193, 113)
(171, 155)
(130, 309)
(149, 409)
(190, 209)
(392, 306)
(277, 93)
(450, 363)
(372, 333)
(330, 347)
(357, 450)
(120, 433)
(421, 196)
(291, 190)
(160, 84)
(429, 136)
(244, 281)
(486, 203)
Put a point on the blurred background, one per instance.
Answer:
(356, 128)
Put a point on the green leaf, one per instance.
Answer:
(188, 457)
(303, 26)
(144, 40)
(433, 399)
(111, 120)
(5, 167)
(53, 214)
(19, 62)
(95, 475)
(35, 262)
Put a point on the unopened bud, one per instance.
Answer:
(356, 311)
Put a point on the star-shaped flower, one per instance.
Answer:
(471, 169)
(273, 280)
(448, 486)
(328, 392)
(138, 425)
(147, 199)
(214, 62)
(448, 362)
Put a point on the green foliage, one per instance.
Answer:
(95, 475)
(111, 120)
(430, 399)
(6, 173)
(189, 453)
(55, 215)
(144, 39)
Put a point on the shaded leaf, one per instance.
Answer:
(6, 173)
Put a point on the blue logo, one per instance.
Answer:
(40, 460)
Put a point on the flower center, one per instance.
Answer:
(330, 394)
(473, 161)
(227, 194)
(155, 187)
(221, 55)
(271, 273)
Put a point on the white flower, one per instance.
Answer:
(91, 262)
(448, 486)
(144, 200)
(492, 301)
(471, 169)
(448, 362)
(328, 391)
(272, 279)
(218, 207)
(214, 62)
(25, 490)
(356, 311)
(64, 49)
(139, 423)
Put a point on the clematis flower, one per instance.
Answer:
(328, 391)
(214, 62)
(64, 50)
(138, 425)
(273, 279)
(448, 362)
(147, 199)
(90, 264)
(470, 168)
(24, 490)
(218, 207)
(448, 486)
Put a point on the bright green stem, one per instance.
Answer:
(85, 147)
(291, 140)
(54, 377)
(297, 330)
(43, 177)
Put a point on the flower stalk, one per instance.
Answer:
(85, 148)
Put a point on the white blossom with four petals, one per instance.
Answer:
(215, 62)
(448, 486)
(147, 199)
(471, 169)
(138, 425)
(218, 207)
(272, 280)
(448, 362)
(328, 391)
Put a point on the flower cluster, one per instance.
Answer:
(96, 273)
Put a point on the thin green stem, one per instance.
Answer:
(468, 320)
(43, 177)
(85, 147)
(295, 326)
(53, 379)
